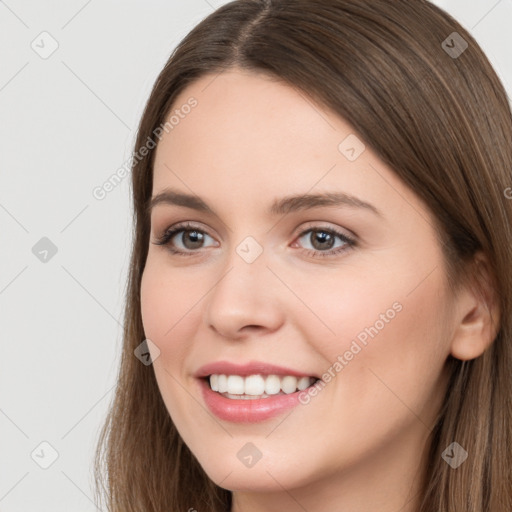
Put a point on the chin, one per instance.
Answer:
(262, 477)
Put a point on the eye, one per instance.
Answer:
(323, 240)
(192, 238)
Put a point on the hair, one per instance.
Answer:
(443, 124)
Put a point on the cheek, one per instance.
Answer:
(400, 352)
(152, 298)
(169, 318)
(356, 304)
(382, 308)
(386, 339)
(166, 303)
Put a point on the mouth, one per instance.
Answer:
(257, 386)
(252, 391)
(253, 398)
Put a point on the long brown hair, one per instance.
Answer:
(432, 109)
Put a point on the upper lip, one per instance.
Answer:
(250, 368)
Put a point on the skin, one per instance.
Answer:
(359, 444)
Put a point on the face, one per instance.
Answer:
(352, 293)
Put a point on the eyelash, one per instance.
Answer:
(170, 233)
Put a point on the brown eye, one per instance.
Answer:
(183, 239)
(323, 240)
(191, 239)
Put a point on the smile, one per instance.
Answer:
(251, 392)
(255, 404)
(251, 387)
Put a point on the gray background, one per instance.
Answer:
(68, 123)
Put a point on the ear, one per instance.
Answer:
(478, 312)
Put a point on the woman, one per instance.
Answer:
(372, 372)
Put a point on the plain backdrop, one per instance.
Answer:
(74, 78)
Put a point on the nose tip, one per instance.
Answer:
(236, 329)
(242, 302)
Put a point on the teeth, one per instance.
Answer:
(235, 385)
(214, 382)
(254, 385)
(222, 384)
(258, 386)
(272, 385)
(303, 383)
(289, 384)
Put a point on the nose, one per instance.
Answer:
(245, 300)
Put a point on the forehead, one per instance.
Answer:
(250, 137)
(249, 125)
(250, 108)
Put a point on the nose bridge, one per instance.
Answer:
(244, 273)
(241, 296)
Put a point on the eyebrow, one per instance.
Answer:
(282, 206)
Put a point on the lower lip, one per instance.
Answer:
(247, 411)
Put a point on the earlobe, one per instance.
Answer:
(478, 307)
